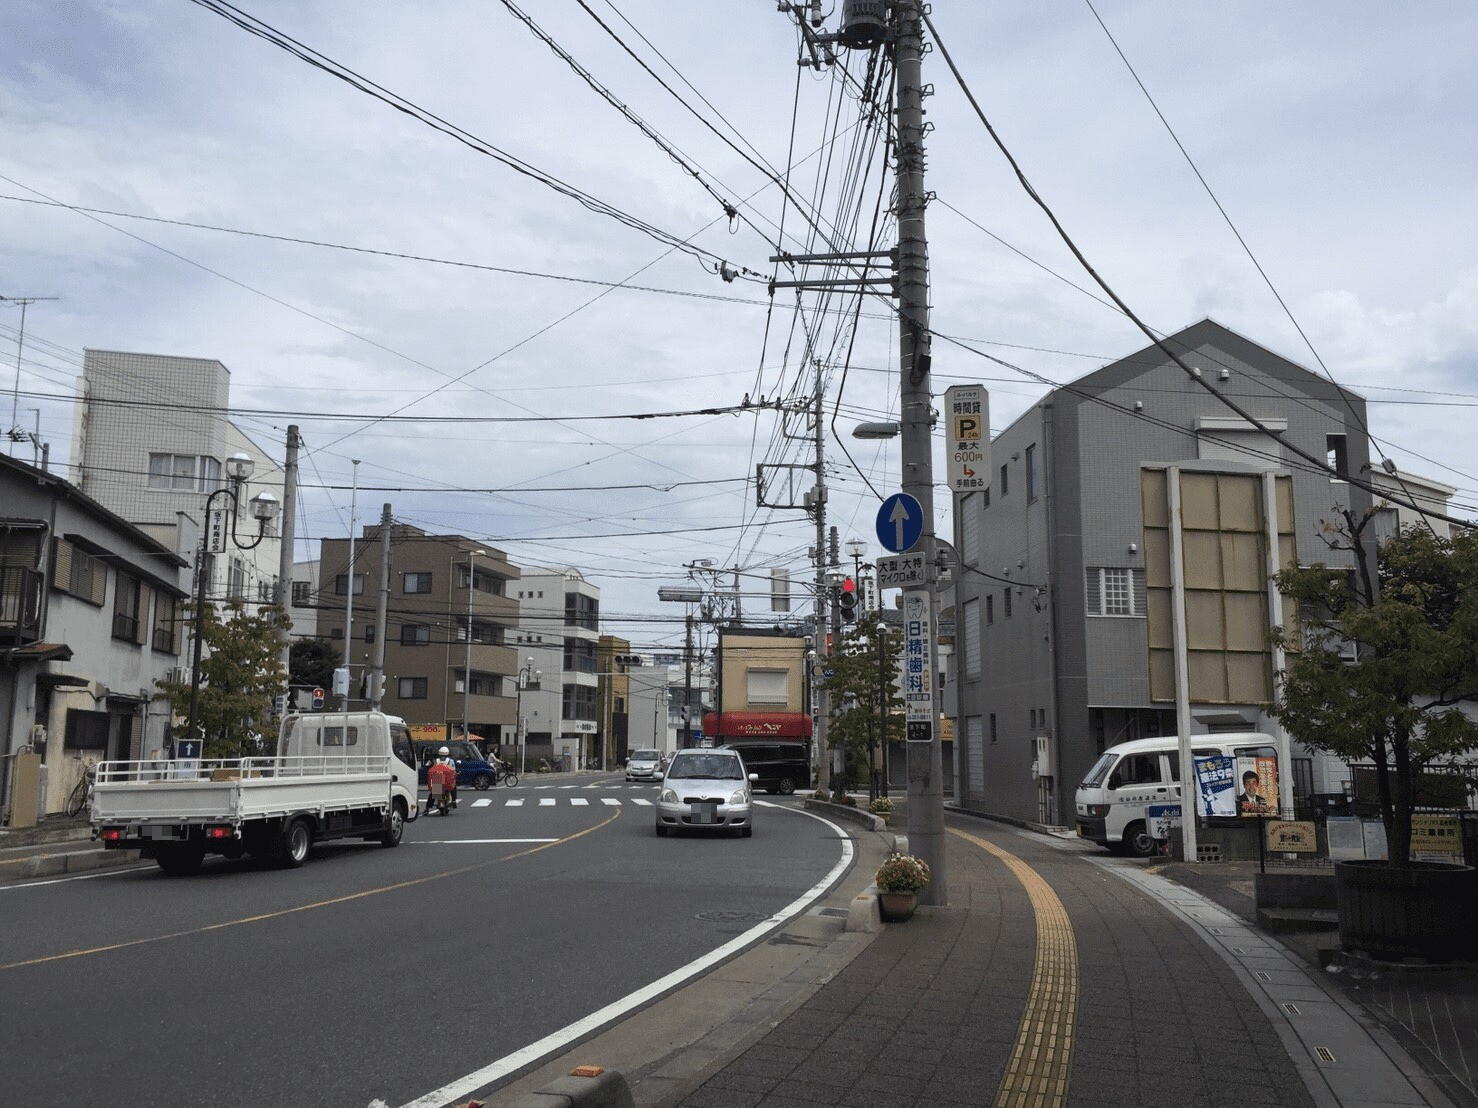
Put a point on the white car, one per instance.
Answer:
(644, 765)
(706, 790)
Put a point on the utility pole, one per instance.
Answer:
(342, 678)
(823, 596)
(375, 678)
(288, 535)
(687, 739)
(921, 606)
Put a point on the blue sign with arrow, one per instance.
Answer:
(900, 523)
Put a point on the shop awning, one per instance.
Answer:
(757, 725)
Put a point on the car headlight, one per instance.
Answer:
(741, 796)
(667, 797)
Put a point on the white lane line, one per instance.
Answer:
(610, 800)
(642, 800)
(483, 803)
(461, 1088)
(580, 801)
(517, 802)
(76, 877)
(459, 842)
(546, 802)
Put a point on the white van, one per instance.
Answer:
(1236, 774)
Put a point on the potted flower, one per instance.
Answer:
(899, 880)
(882, 806)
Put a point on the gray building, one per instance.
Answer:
(1052, 656)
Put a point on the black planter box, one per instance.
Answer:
(1425, 912)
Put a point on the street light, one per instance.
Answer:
(213, 541)
(467, 667)
(527, 676)
(886, 430)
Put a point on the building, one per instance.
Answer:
(558, 627)
(90, 619)
(448, 614)
(1057, 654)
(150, 442)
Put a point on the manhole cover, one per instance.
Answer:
(731, 917)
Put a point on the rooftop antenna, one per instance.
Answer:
(17, 433)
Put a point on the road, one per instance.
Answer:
(374, 973)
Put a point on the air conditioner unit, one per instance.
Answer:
(1349, 652)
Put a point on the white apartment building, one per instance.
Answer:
(558, 627)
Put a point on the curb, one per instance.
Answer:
(848, 813)
(64, 862)
(582, 1087)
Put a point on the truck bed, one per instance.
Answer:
(236, 790)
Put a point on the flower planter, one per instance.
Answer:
(897, 907)
(1424, 912)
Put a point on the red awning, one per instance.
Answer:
(757, 725)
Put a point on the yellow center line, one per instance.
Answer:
(1041, 1061)
(205, 929)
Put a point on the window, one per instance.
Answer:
(766, 686)
(1005, 481)
(411, 688)
(415, 634)
(369, 632)
(969, 529)
(184, 472)
(86, 730)
(128, 594)
(581, 611)
(972, 638)
(990, 608)
(985, 497)
(417, 582)
(1115, 591)
(79, 573)
(1135, 769)
(1006, 602)
(336, 633)
(341, 584)
(166, 639)
(302, 593)
(578, 702)
(1335, 456)
(1031, 472)
(579, 656)
(993, 735)
(236, 580)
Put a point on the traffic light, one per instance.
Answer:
(317, 699)
(847, 601)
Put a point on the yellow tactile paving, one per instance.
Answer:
(1037, 1074)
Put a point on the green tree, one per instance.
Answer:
(866, 707)
(1411, 614)
(239, 676)
(311, 662)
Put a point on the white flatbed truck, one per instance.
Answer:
(335, 775)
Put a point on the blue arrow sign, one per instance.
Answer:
(900, 523)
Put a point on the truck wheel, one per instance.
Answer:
(1137, 840)
(294, 844)
(482, 782)
(785, 787)
(181, 859)
(396, 827)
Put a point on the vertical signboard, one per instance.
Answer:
(967, 437)
(918, 685)
(215, 531)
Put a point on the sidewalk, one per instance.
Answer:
(58, 845)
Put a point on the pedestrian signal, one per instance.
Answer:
(317, 699)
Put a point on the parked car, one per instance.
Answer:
(782, 766)
(644, 765)
(706, 790)
(473, 768)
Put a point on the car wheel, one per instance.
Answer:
(661, 831)
(1137, 840)
(482, 782)
(785, 787)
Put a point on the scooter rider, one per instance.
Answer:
(442, 774)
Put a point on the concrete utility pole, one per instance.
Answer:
(925, 758)
(288, 534)
(375, 678)
(823, 595)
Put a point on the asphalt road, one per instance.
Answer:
(374, 973)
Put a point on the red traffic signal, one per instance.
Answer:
(318, 698)
(849, 585)
(847, 601)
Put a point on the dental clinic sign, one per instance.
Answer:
(967, 437)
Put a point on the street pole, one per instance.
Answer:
(823, 596)
(375, 679)
(467, 664)
(925, 760)
(349, 590)
(687, 738)
(288, 535)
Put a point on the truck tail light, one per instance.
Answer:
(112, 835)
(220, 832)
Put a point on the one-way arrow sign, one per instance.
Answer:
(900, 523)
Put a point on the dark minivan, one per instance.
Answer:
(782, 767)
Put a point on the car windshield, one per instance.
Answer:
(714, 766)
(1099, 771)
(645, 756)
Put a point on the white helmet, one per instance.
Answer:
(445, 752)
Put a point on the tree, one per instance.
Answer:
(311, 662)
(866, 707)
(1412, 619)
(239, 675)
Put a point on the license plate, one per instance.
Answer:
(705, 811)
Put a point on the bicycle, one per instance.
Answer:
(81, 799)
(509, 777)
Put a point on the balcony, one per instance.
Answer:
(20, 604)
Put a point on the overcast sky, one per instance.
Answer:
(1338, 136)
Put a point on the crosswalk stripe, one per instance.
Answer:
(483, 803)
(580, 800)
(642, 800)
(610, 800)
(517, 802)
(546, 802)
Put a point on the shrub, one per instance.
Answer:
(902, 873)
(822, 794)
(846, 800)
(882, 806)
